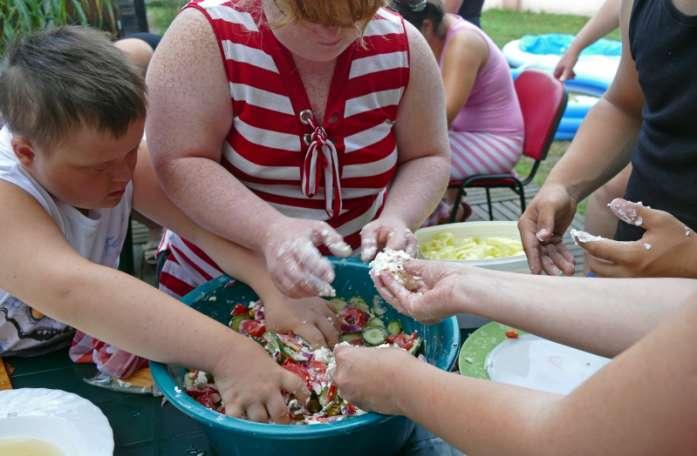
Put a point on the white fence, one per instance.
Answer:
(581, 7)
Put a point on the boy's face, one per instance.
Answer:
(89, 169)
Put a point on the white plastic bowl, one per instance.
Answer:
(504, 229)
(74, 425)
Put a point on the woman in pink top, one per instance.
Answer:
(484, 119)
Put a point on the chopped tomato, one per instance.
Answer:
(318, 366)
(297, 369)
(207, 396)
(404, 341)
(351, 409)
(353, 320)
(331, 393)
(512, 334)
(239, 309)
(252, 328)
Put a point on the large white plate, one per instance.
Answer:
(73, 424)
(536, 363)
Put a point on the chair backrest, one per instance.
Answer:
(542, 100)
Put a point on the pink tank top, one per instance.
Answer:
(492, 106)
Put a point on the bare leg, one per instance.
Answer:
(599, 219)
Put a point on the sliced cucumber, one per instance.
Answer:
(337, 305)
(352, 338)
(235, 322)
(359, 303)
(374, 336)
(375, 323)
(414, 350)
(394, 327)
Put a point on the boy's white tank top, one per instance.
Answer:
(98, 237)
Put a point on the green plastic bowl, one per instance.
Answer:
(367, 434)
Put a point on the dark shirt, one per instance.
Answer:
(663, 42)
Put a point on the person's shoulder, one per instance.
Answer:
(468, 40)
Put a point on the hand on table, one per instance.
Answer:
(251, 384)
(294, 261)
(542, 226)
(385, 232)
(435, 296)
(366, 376)
(667, 249)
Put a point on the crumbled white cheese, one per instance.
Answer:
(323, 355)
(391, 261)
(583, 237)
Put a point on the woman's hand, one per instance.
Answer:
(293, 258)
(542, 226)
(367, 377)
(668, 248)
(390, 232)
(435, 296)
(310, 318)
(565, 67)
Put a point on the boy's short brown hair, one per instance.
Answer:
(56, 80)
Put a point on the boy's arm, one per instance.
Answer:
(128, 313)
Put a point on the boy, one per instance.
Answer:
(74, 111)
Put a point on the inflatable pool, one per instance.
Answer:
(595, 71)
(599, 61)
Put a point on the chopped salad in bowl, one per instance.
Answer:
(360, 324)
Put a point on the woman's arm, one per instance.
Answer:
(601, 148)
(605, 20)
(422, 140)
(305, 318)
(189, 115)
(465, 55)
(423, 164)
(604, 316)
(642, 403)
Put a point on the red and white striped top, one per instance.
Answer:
(337, 169)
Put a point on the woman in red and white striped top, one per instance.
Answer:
(283, 127)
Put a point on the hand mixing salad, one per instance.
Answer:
(360, 325)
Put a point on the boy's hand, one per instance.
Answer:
(251, 383)
(310, 318)
(435, 297)
(367, 377)
(293, 258)
(667, 249)
(385, 232)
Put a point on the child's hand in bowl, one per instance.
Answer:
(433, 298)
(251, 383)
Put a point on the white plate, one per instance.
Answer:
(73, 424)
(540, 364)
